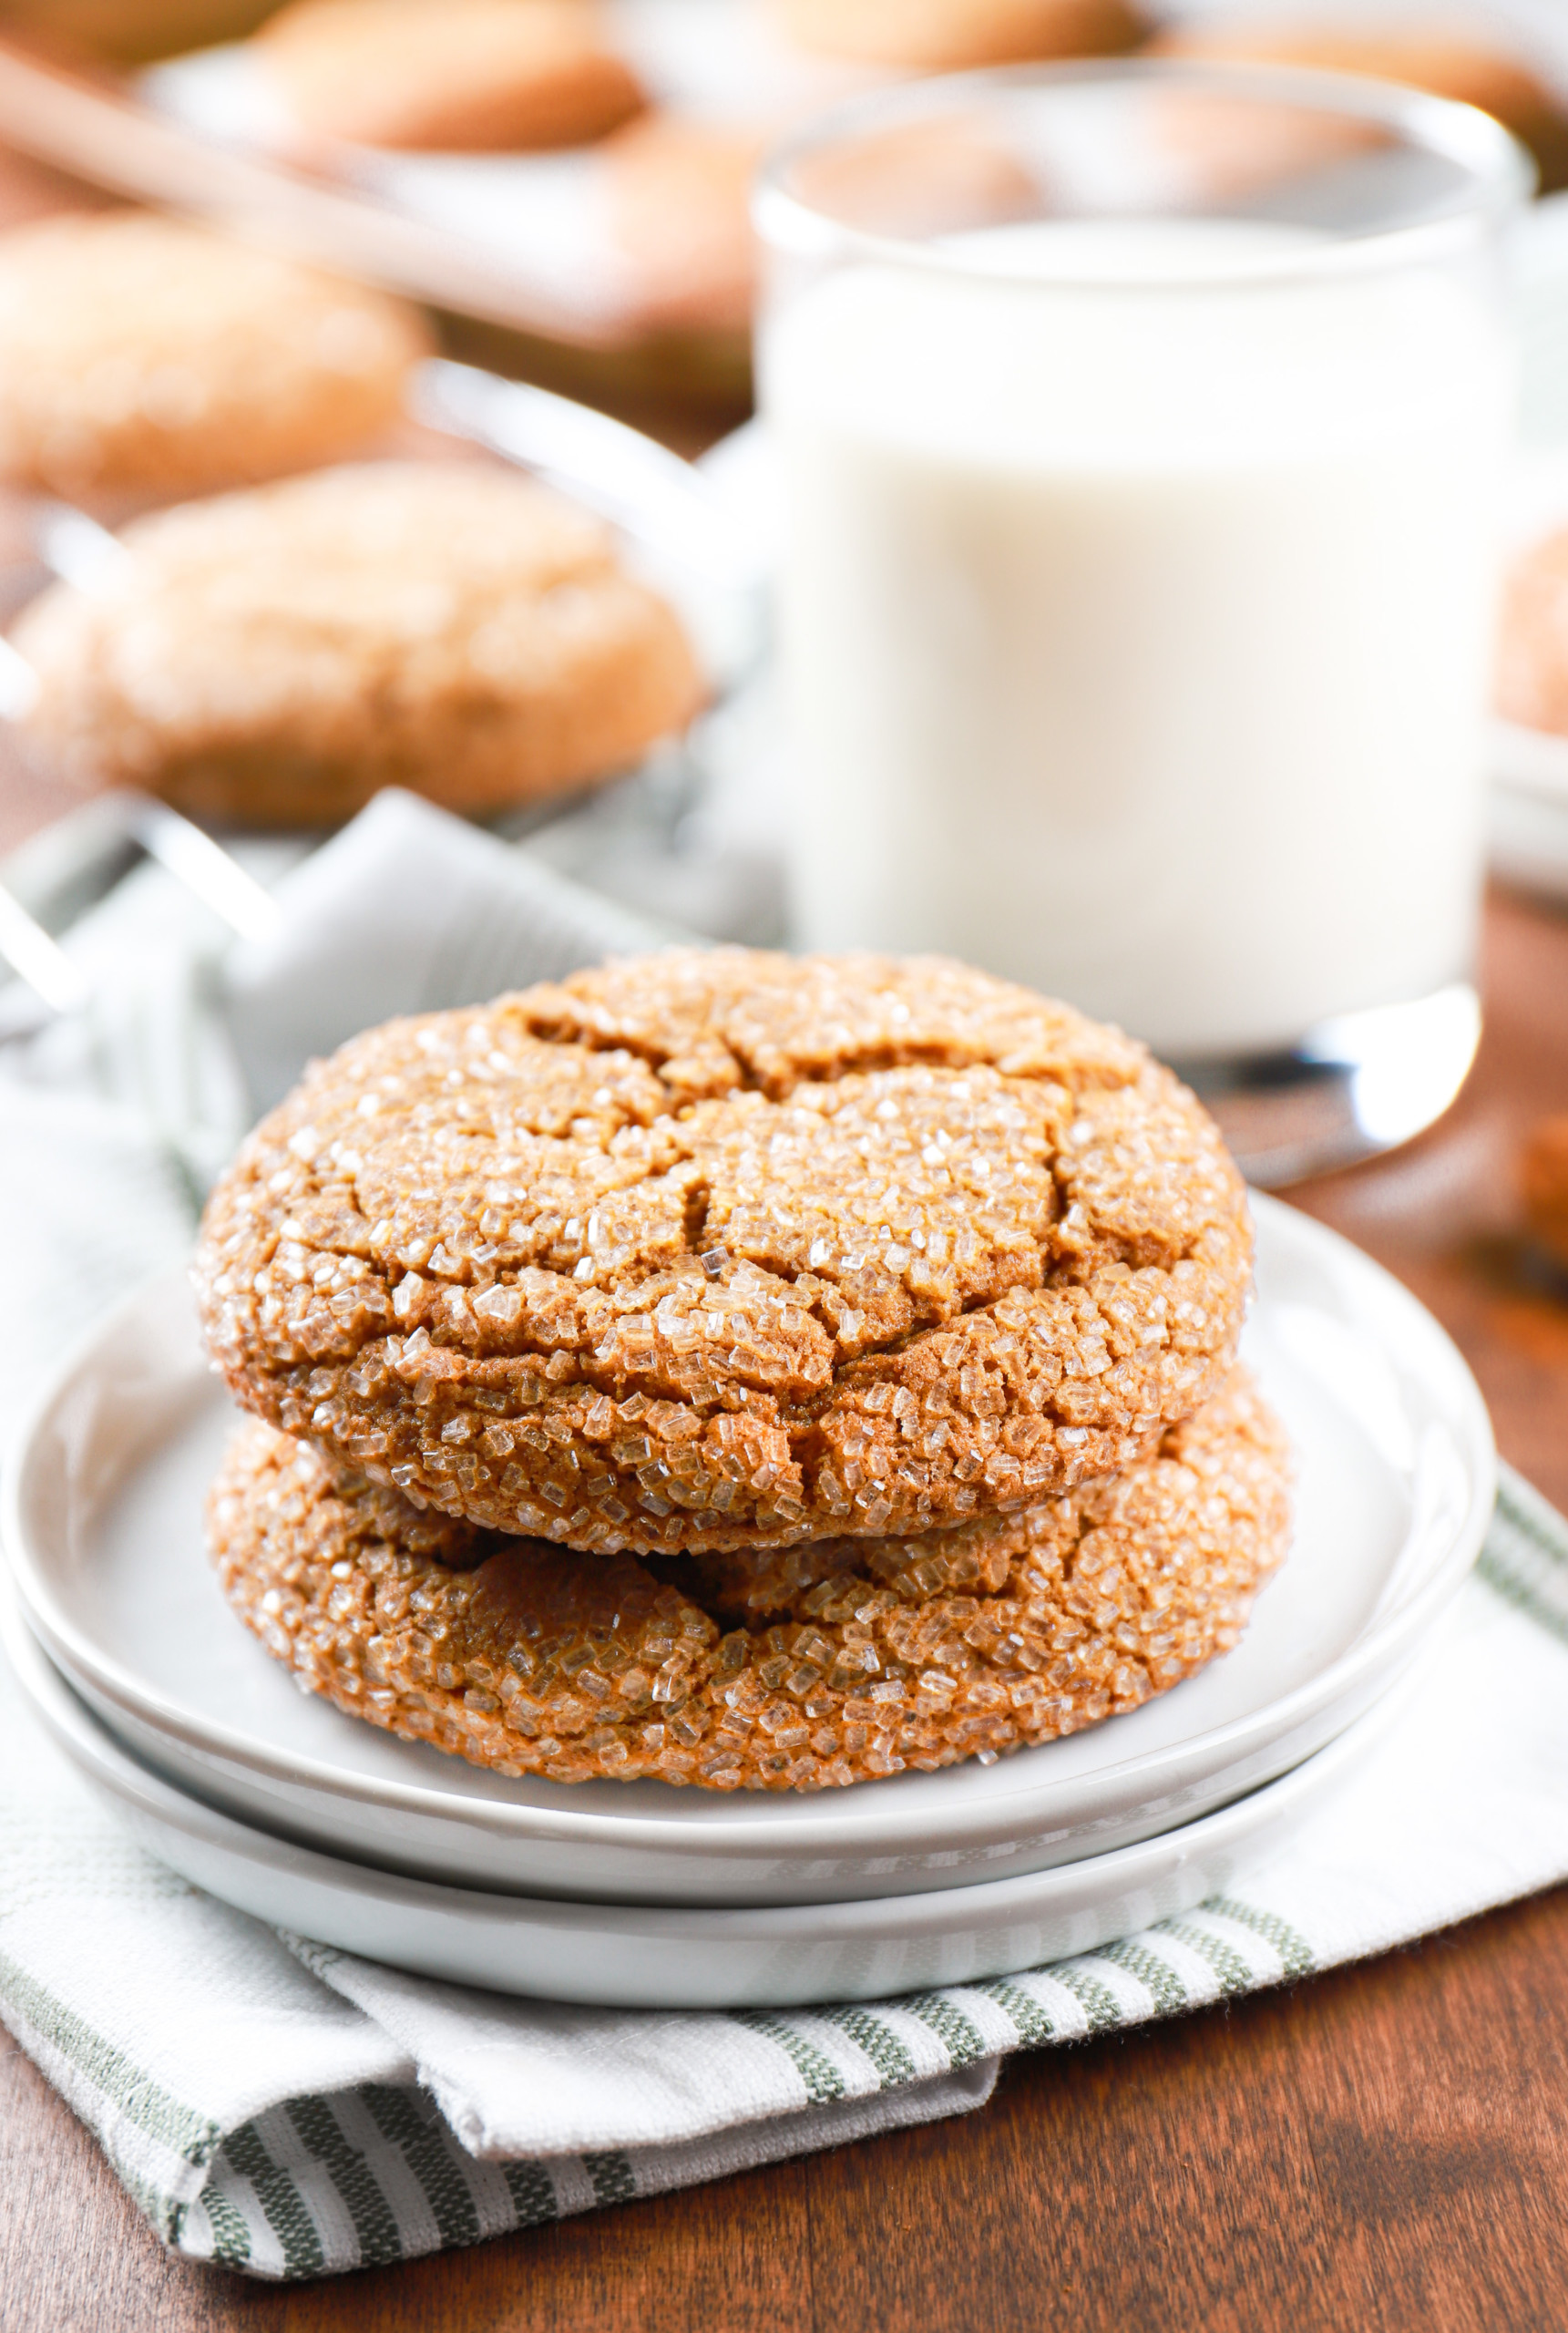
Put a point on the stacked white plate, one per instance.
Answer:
(641, 1894)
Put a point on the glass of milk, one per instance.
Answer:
(1139, 430)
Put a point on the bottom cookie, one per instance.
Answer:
(804, 1668)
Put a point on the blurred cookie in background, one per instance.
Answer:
(132, 32)
(921, 178)
(452, 75)
(677, 192)
(1444, 62)
(1533, 644)
(948, 36)
(144, 357)
(274, 658)
(677, 202)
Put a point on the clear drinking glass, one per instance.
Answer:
(1140, 429)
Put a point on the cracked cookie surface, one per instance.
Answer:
(724, 1248)
(777, 1669)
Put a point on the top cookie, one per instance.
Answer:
(142, 356)
(715, 1249)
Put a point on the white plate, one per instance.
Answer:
(1395, 1470)
(622, 1956)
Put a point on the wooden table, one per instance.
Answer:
(1380, 2149)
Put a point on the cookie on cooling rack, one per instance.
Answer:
(144, 357)
(722, 1249)
(275, 658)
(831, 1663)
(458, 75)
(677, 201)
(1435, 55)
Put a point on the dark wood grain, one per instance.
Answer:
(1382, 2150)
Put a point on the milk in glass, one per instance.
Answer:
(1137, 617)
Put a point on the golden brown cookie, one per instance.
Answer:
(946, 36)
(452, 74)
(143, 356)
(132, 31)
(1432, 56)
(677, 201)
(724, 1249)
(1223, 146)
(1533, 642)
(678, 206)
(275, 658)
(805, 1670)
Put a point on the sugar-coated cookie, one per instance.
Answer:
(147, 357)
(274, 658)
(831, 1663)
(721, 1248)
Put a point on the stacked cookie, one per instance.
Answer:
(741, 1369)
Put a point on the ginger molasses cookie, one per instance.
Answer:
(715, 1249)
(130, 32)
(799, 1670)
(145, 357)
(1433, 54)
(275, 658)
(677, 199)
(948, 36)
(455, 75)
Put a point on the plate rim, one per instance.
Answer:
(860, 1921)
(808, 1832)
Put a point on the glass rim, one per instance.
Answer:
(1501, 173)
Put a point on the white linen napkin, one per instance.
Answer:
(292, 2111)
